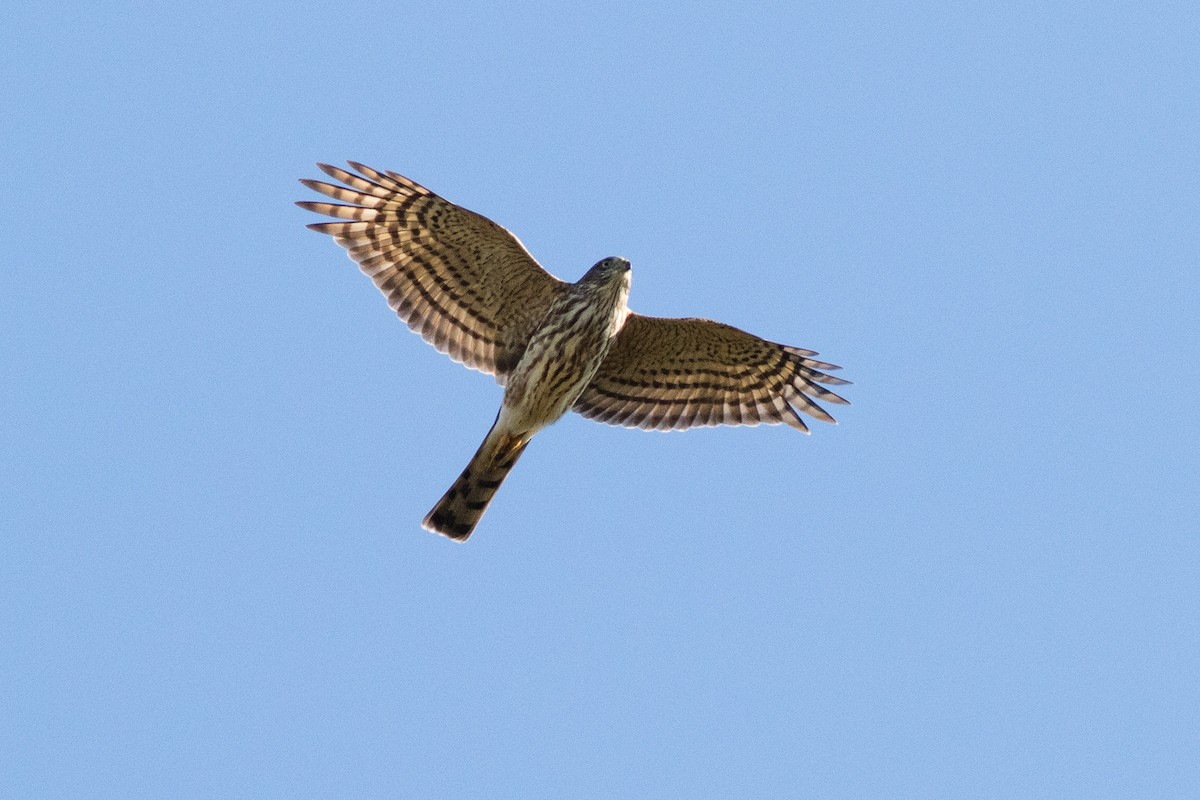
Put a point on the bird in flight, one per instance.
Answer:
(473, 291)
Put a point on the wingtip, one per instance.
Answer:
(832, 397)
(794, 421)
(307, 206)
(329, 169)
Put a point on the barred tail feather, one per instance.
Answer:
(460, 509)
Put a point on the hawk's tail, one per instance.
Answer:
(459, 510)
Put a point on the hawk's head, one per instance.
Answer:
(607, 270)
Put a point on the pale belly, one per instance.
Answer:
(555, 370)
(542, 389)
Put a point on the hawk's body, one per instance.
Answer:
(473, 291)
(563, 355)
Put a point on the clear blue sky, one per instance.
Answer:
(218, 443)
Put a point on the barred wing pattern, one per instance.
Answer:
(681, 373)
(467, 285)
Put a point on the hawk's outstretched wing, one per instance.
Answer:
(680, 373)
(460, 280)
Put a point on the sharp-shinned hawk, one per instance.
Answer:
(471, 289)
